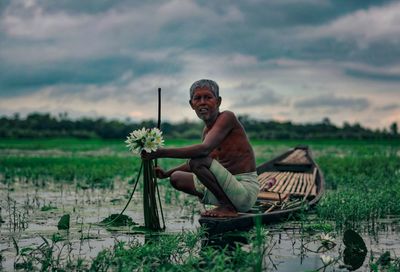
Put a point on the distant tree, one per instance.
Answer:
(326, 121)
(43, 125)
(394, 128)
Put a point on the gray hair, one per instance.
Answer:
(205, 83)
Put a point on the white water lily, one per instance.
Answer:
(326, 259)
(327, 238)
(150, 145)
(247, 248)
(144, 139)
(139, 133)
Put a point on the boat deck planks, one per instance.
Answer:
(288, 182)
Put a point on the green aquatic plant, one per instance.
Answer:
(48, 207)
(64, 222)
(181, 252)
(118, 220)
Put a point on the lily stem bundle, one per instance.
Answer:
(150, 209)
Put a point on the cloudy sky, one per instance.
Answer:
(298, 60)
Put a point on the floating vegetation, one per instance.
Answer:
(118, 220)
(86, 181)
(63, 224)
(47, 208)
(355, 252)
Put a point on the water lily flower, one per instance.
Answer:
(247, 248)
(326, 259)
(144, 139)
(327, 238)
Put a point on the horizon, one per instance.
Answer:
(128, 120)
(283, 60)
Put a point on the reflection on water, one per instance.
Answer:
(289, 247)
(292, 249)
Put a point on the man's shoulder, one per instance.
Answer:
(228, 114)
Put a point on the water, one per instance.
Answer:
(289, 247)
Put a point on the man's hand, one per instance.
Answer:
(148, 156)
(160, 173)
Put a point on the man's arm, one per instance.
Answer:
(223, 125)
(184, 167)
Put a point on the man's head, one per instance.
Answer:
(205, 99)
(205, 83)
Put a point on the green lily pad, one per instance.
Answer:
(117, 220)
(355, 252)
(63, 224)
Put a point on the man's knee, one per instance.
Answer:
(196, 164)
(174, 180)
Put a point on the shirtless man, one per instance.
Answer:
(221, 170)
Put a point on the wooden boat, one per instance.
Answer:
(290, 183)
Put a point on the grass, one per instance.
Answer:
(180, 252)
(360, 188)
(362, 181)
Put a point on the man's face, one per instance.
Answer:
(205, 104)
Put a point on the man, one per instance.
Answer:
(221, 170)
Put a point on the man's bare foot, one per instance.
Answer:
(221, 211)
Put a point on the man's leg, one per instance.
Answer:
(201, 168)
(183, 181)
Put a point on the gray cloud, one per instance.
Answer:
(331, 102)
(374, 75)
(254, 95)
(122, 50)
(388, 107)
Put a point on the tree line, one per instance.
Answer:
(45, 125)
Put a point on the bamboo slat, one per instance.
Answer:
(291, 183)
(281, 181)
(264, 175)
(301, 184)
(263, 182)
(283, 184)
(314, 177)
(270, 175)
(278, 181)
(305, 185)
(311, 184)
